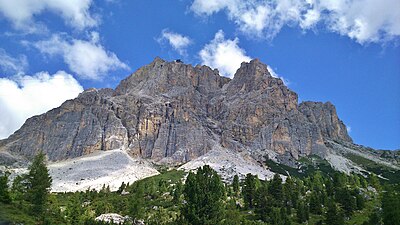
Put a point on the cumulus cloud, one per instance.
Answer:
(24, 96)
(274, 74)
(225, 55)
(362, 20)
(22, 13)
(12, 65)
(87, 58)
(177, 41)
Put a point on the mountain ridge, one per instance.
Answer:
(171, 113)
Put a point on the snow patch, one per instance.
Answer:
(95, 170)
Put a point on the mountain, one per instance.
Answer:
(173, 113)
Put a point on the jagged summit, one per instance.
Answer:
(160, 77)
(171, 112)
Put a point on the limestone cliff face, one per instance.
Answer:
(171, 112)
(260, 112)
(325, 116)
(77, 127)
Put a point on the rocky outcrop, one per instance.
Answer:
(76, 128)
(171, 112)
(325, 116)
(260, 112)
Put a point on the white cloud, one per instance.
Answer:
(255, 18)
(88, 59)
(9, 64)
(274, 74)
(362, 20)
(177, 41)
(22, 13)
(204, 7)
(348, 128)
(225, 55)
(310, 18)
(24, 96)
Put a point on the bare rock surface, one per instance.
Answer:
(228, 163)
(112, 218)
(172, 113)
(108, 168)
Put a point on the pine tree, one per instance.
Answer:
(391, 207)
(347, 200)
(276, 189)
(232, 214)
(285, 216)
(291, 192)
(329, 187)
(136, 201)
(374, 218)
(288, 189)
(374, 181)
(162, 186)
(315, 203)
(4, 191)
(18, 188)
(74, 210)
(235, 184)
(334, 215)
(360, 201)
(263, 203)
(302, 212)
(275, 218)
(339, 180)
(204, 194)
(363, 182)
(249, 190)
(38, 182)
(121, 188)
(177, 192)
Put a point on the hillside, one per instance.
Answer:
(171, 113)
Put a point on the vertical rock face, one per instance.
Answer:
(262, 113)
(164, 108)
(171, 112)
(325, 116)
(77, 127)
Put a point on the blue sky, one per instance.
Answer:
(346, 52)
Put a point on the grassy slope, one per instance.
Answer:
(308, 166)
(379, 169)
(12, 213)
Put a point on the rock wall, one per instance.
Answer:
(171, 112)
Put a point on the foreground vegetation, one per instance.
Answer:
(320, 196)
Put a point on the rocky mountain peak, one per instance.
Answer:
(172, 112)
(251, 76)
(162, 77)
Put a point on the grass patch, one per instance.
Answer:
(171, 177)
(308, 166)
(387, 172)
(283, 169)
(12, 213)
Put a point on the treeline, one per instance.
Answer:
(204, 199)
(331, 200)
(29, 192)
